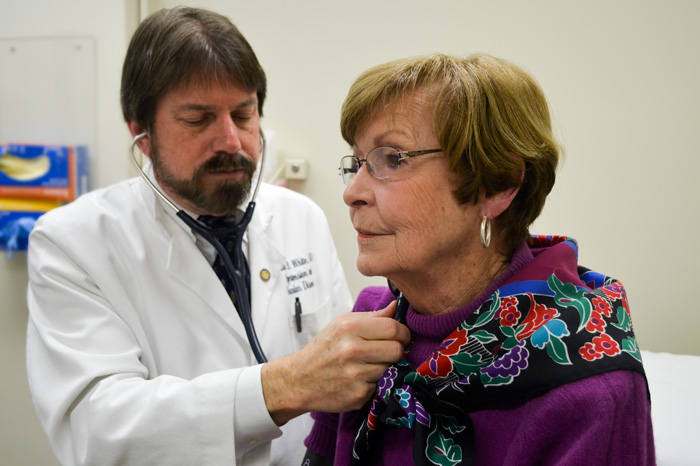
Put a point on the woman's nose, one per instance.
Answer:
(358, 192)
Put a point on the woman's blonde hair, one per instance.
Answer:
(490, 118)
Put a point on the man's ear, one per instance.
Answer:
(144, 143)
(495, 205)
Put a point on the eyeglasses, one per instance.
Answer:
(382, 162)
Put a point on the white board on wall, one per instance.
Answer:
(48, 91)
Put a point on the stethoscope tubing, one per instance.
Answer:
(242, 304)
(233, 267)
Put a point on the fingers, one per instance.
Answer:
(402, 333)
(388, 311)
(380, 325)
(370, 351)
(338, 369)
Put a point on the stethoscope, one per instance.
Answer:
(235, 266)
(401, 303)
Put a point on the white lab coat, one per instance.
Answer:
(135, 352)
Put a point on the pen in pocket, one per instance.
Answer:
(297, 314)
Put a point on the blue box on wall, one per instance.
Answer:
(17, 218)
(32, 171)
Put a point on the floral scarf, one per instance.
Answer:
(527, 338)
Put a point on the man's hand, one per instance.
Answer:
(338, 369)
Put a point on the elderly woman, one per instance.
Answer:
(519, 356)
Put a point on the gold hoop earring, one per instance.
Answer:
(485, 232)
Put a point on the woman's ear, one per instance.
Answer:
(144, 143)
(495, 205)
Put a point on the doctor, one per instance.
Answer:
(135, 352)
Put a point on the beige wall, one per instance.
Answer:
(110, 24)
(621, 78)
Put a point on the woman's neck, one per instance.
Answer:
(452, 285)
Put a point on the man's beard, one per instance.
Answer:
(224, 198)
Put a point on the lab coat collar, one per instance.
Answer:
(148, 170)
(187, 263)
(158, 206)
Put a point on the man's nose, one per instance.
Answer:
(228, 137)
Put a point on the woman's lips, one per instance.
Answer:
(367, 234)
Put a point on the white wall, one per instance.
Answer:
(110, 23)
(621, 78)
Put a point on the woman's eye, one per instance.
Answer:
(391, 161)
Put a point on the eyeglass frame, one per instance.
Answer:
(403, 155)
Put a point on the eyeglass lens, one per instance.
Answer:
(382, 162)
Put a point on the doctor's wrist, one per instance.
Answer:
(283, 397)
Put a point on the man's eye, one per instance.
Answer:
(242, 117)
(194, 121)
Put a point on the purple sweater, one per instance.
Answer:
(604, 419)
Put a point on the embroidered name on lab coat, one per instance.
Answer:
(299, 273)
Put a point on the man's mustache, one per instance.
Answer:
(224, 161)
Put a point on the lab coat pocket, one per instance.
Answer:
(304, 326)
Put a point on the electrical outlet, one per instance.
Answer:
(296, 169)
